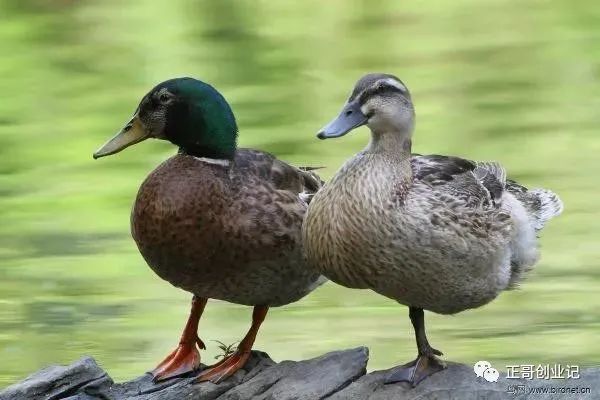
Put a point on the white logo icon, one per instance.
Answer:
(483, 369)
(491, 375)
(480, 367)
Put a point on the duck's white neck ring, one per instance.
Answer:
(214, 161)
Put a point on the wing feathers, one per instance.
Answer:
(482, 184)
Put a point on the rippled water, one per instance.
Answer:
(513, 81)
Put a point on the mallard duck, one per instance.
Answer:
(433, 232)
(217, 221)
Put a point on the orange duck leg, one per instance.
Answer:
(229, 365)
(186, 357)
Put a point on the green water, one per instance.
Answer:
(512, 81)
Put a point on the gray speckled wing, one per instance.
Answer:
(475, 184)
(482, 184)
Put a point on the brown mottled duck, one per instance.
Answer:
(437, 233)
(217, 221)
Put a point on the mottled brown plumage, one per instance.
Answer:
(436, 233)
(227, 232)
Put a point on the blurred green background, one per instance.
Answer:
(507, 80)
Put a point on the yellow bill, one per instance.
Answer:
(133, 132)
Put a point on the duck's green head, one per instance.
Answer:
(185, 111)
(380, 101)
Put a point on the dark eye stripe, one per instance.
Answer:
(380, 90)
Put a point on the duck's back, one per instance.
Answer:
(230, 232)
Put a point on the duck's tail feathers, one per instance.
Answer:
(310, 168)
(536, 206)
(541, 204)
(547, 206)
(312, 182)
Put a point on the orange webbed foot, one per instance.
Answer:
(224, 368)
(185, 358)
(234, 362)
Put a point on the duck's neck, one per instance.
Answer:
(395, 144)
(200, 151)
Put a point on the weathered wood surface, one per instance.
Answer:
(335, 376)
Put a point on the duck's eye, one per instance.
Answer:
(164, 98)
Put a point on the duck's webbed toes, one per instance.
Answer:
(435, 352)
(417, 370)
(225, 368)
(185, 358)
